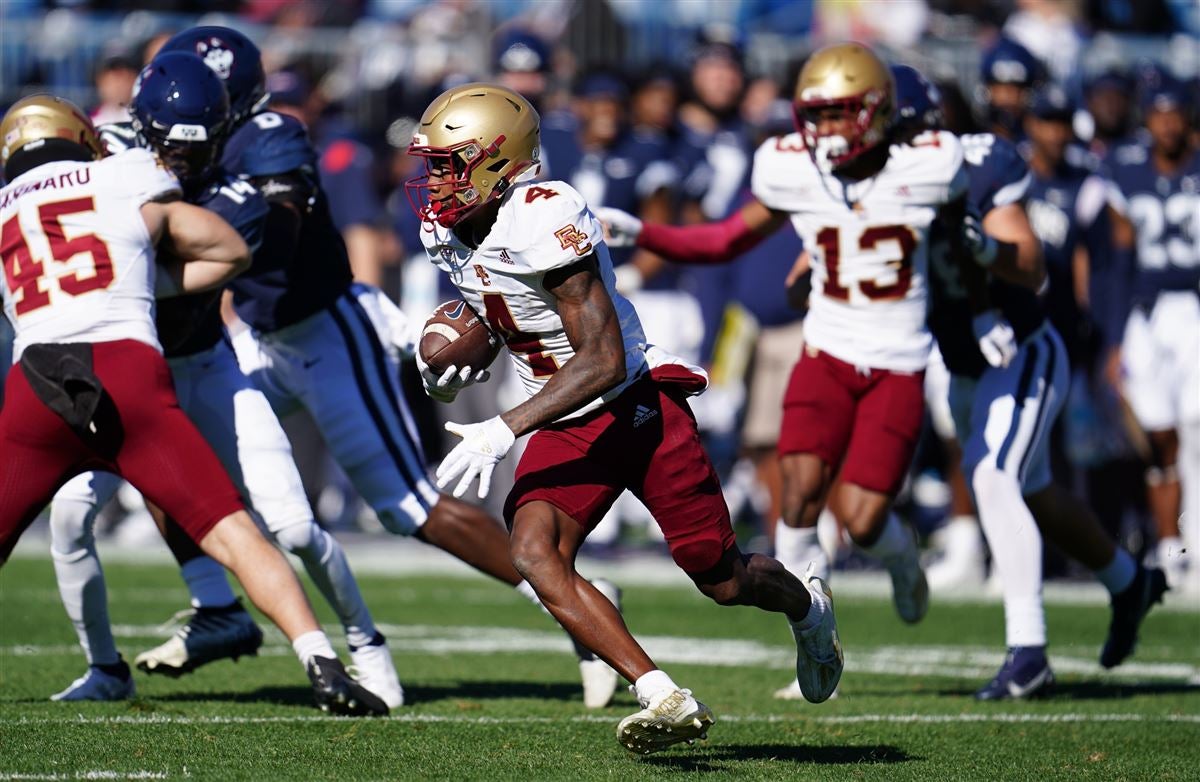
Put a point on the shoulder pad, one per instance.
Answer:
(269, 143)
(550, 226)
(140, 174)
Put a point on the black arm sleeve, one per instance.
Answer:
(290, 197)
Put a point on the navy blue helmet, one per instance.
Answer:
(181, 110)
(918, 101)
(234, 58)
(1008, 62)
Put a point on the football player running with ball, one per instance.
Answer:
(319, 341)
(91, 390)
(608, 412)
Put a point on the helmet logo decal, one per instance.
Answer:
(216, 56)
(183, 132)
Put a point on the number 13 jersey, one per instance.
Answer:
(868, 241)
(539, 227)
(78, 262)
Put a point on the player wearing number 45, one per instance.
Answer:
(608, 412)
(1153, 323)
(864, 204)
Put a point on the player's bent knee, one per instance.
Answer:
(990, 483)
(71, 524)
(529, 553)
(726, 593)
(299, 539)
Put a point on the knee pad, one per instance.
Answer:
(71, 524)
(697, 556)
(987, 483)
(300, 539)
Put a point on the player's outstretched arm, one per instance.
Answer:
(705, 243)
(201, 250)
(594, 331)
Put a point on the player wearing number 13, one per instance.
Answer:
(863, 201)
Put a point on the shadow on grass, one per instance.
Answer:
(1099, 691)
(820, 755)
(415, 693)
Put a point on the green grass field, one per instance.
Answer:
(494, 695)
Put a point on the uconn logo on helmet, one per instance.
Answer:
(216, 56)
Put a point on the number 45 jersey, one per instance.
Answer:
(539, 227)
(869, 244)
(78, 262)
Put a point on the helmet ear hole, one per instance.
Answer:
(498, 166)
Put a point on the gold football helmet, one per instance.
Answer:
(40, 118)
(476, 140)
(844, 101)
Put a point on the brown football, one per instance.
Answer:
(454, 334)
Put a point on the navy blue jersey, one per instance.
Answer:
(996, 176)
(190, 324)
(302, 266)
(1068, 211)
(1165, 211)
(348, 179)
(622, 176)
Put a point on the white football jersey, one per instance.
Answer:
(869, 244)
(539, 227)
(78, 261)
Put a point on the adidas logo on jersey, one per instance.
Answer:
(505, 257)
(642, 414)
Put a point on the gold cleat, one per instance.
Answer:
(675, 719)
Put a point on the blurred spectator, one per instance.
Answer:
(610, 163)
(1009, 74)
(115, 77)
(1109, 109)
(1048, 29)
(150, 47)
(655, 101)
(1130, 16)
(522, 63)
(957, 116)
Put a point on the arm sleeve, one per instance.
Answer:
(700, 244)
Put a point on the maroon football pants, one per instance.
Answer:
(156, 447)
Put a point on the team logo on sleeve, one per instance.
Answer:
(571, 237)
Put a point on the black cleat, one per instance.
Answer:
(337, 693)
(1128, 610)
(210, 634)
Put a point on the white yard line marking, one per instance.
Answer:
(848, 719)
(86, 775)
(970, 662)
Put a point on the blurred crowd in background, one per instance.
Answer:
(655, 107)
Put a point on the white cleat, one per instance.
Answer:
(674, 718)
(791, 692)
(818, 650)
(96, 685)
(599, 679)
(371, 666)
(910, 590)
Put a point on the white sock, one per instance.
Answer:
(796, 547)
(81, 584)
(1118, 574)
(207, 583)
(1016, 545)
(894, 544)
(325, 560)
(815, 611)
(650, 685)
(313, 644)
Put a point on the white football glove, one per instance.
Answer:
(997, 340)
(445, 387)
(483, 446)
(981, 246)
(621, 229)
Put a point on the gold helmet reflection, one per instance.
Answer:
(485, 135)
(850, 77)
